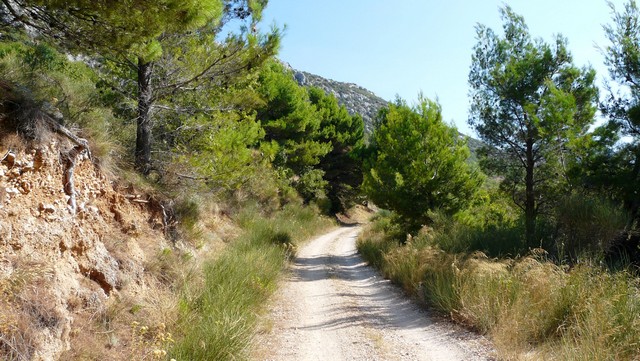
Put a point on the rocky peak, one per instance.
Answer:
(355, 98)
(359, 100)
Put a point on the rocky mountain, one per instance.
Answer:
(355, 98)
(359, 100)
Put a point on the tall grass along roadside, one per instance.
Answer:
(529, 306)
(218, 318)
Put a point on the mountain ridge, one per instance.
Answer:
(359, 100)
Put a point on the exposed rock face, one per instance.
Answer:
(59, 270)
(359, 100)
(355, 98)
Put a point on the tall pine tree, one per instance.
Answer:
(417, 164)
(342, 166)
(529, 102)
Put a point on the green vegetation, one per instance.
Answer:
(342, 166)
(36, 76)
(612, 166)
(417, 163)
(206, 124)
(133, 42)
(530, 104)
(541, 251)
(527, 305)
(292, 130)
(311, 141)
(217, 319)
(543, 257)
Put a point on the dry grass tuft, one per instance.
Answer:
(532, 308)
(26, 308)
(11, 141)
(218, 316)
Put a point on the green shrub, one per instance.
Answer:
(587, 226)
(311, 185)
(495, 238)
(416, 162)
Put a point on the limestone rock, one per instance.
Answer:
(46, 208)
(98, 264)
(300, 78)
(355, 98)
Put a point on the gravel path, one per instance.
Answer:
(334, 307)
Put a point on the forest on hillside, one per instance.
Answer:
(170, 94)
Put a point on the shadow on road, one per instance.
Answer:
(385, 305)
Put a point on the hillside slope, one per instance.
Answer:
(355, 98)
(64, 276)
(359, 100)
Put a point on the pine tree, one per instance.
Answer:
(617, 169)
(342, 166)
(417, 163)
(529, 104)
(134, 36)
(291, 122)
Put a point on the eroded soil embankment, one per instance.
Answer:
(63, 275)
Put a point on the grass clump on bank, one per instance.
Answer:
(218, 318)
(528, 305)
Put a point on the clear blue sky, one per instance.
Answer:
(407, 46)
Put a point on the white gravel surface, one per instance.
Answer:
(332, 306)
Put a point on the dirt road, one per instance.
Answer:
(334, 307)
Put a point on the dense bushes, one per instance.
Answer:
(580, 227)
(587, 226)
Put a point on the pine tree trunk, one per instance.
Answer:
(143, 134)
(530, 200)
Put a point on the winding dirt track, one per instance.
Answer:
(334, 307)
